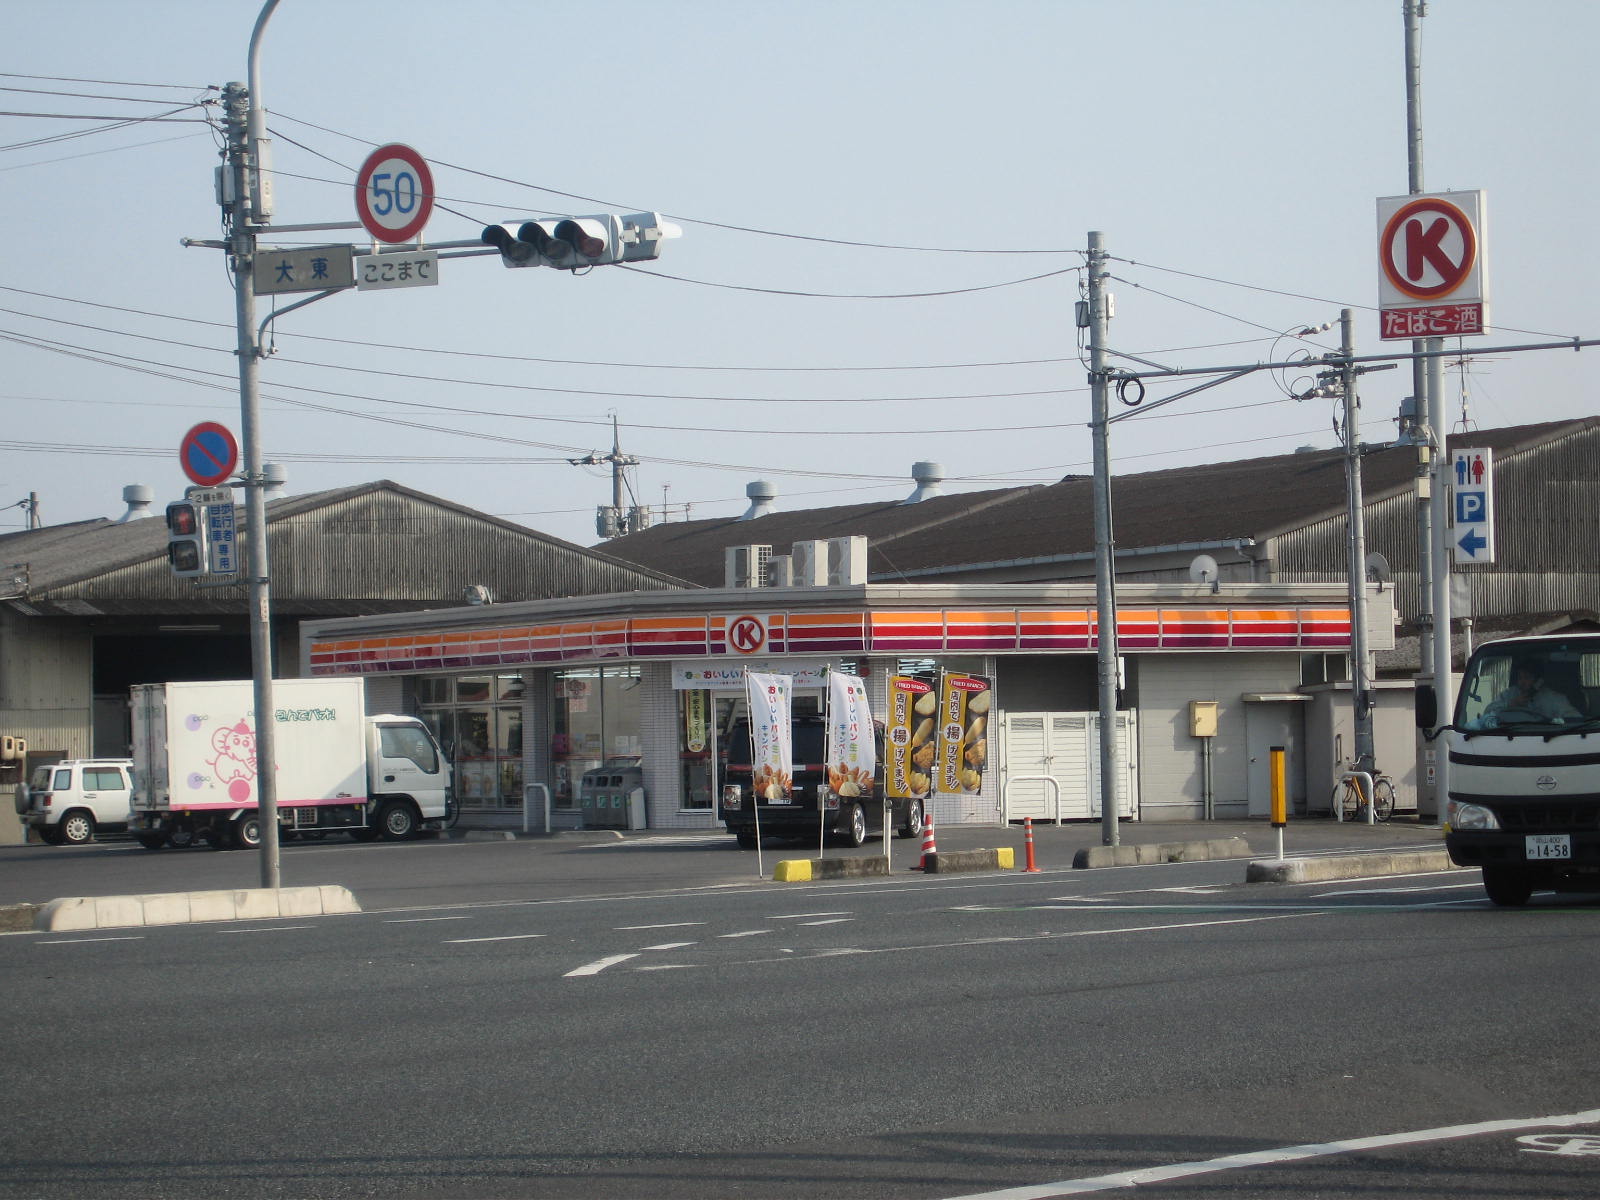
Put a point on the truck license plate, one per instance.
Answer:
(1549, 845)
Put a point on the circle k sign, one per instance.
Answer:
(1429, 248)
(747, 634)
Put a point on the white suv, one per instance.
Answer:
(67, 801)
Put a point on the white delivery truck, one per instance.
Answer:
(194, 764)
(1524, 775)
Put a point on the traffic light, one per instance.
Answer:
(186, 538)
(572, 243)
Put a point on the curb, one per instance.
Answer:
(1161, 852)
(182, 908)
(1348, 866)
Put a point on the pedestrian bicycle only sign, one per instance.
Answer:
(1472, 509)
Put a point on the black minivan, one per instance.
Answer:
(849, 809)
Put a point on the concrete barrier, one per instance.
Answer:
(181, 908)
(955, 861)
(16, 917)
(1348, 866)
(803, 870)
(1161, 852)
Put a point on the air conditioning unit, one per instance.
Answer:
(746, 566)
(847, 561)
(780, 571)
(810, 561)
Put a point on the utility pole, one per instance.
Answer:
(1433, 560)
(1105, 581)
(244, 206)
(1356, 538)
(617, 520)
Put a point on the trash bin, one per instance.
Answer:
(612, 796)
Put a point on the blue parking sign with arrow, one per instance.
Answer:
(1472, 484)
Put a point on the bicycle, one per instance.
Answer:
(1349, 802)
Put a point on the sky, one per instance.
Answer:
(884, 206)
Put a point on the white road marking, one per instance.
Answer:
(830, 921)
(802, 916)
(668, 946)
(598, 965)
(137, 937)
(1259, 1158)
(668, 925)
(1439, 887)
(666, 967)
(508, 937)
(420, 920)
(744, 933)
(267, 929)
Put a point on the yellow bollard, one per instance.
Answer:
(1280, 795)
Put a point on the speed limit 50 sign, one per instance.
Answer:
(394, 193)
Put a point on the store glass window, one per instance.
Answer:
(594, 719)
(478, 721)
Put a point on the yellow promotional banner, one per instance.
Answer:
(963, 729)
(910, 740)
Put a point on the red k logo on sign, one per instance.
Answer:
(747, 634)
(1428, 248)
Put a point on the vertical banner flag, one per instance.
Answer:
(909, 738)
(771, 737)
(695, 720)
(963, 732)
(852, 754)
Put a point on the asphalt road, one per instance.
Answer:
(949, 1036)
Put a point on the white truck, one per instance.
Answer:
(337, 769)
(1524, 766)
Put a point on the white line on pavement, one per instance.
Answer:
(509, 937)
(138, 937)
(1259, 1158)
(667, 925)
(668, 946)
(267, 929)
(744, 933)
(420, 920)
(599, 964)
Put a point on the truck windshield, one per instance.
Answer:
(1530, 686)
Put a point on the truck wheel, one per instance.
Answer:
(152, 841)
(913, 826)
(181, 837)
(1507, 886)
(77, 828)
(397, 821)
(247, 832)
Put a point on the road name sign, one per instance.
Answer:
(394, 193)
(208, 453)
(309, 269)
(1472, 505)
(1431, 276)
(408, 269)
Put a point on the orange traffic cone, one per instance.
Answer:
(1027, 826)
(929, 848)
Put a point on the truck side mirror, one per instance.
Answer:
(1427, 706)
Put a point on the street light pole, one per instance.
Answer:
(246, 206)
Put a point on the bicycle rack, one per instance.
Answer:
(1366, 790)
(527, 796)
(1054, 783)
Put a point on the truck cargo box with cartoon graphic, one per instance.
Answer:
(337, 768)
